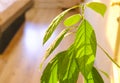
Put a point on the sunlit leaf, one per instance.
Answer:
(68, 70)
(55, 23)
(98, 7)
(94, 77)
(72, 20)
(79, 57)
(62, 68)
(50, 73)
(56, 42)
(85, 47)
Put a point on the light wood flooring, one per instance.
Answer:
(20, 61)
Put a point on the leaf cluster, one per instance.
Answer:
(66, 66)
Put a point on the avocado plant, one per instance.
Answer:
(79, 58)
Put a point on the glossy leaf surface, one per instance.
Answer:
(72, 20)
(85, 47)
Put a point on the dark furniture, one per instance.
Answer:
(11, 20)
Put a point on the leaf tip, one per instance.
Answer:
(44, 40)
(41, 65)
(43, 43)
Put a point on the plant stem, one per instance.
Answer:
(108, 56)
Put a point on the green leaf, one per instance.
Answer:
(50, 73)
(98, 7)
(55, 43)
(72, 20)
(94, 77)
(62, 68)
(55, 23)
(85, 47)
(78, 58)
(68, 70)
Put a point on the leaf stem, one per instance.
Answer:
(83, 10)
(77, 6)
(108, 56)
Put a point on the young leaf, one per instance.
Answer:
(85, 47)
(55, 23)
(56, 42)
(94, 77)
(98, 7)
(72, 20)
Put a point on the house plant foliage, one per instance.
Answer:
(66, 66)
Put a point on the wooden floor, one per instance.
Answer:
(20, 61)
